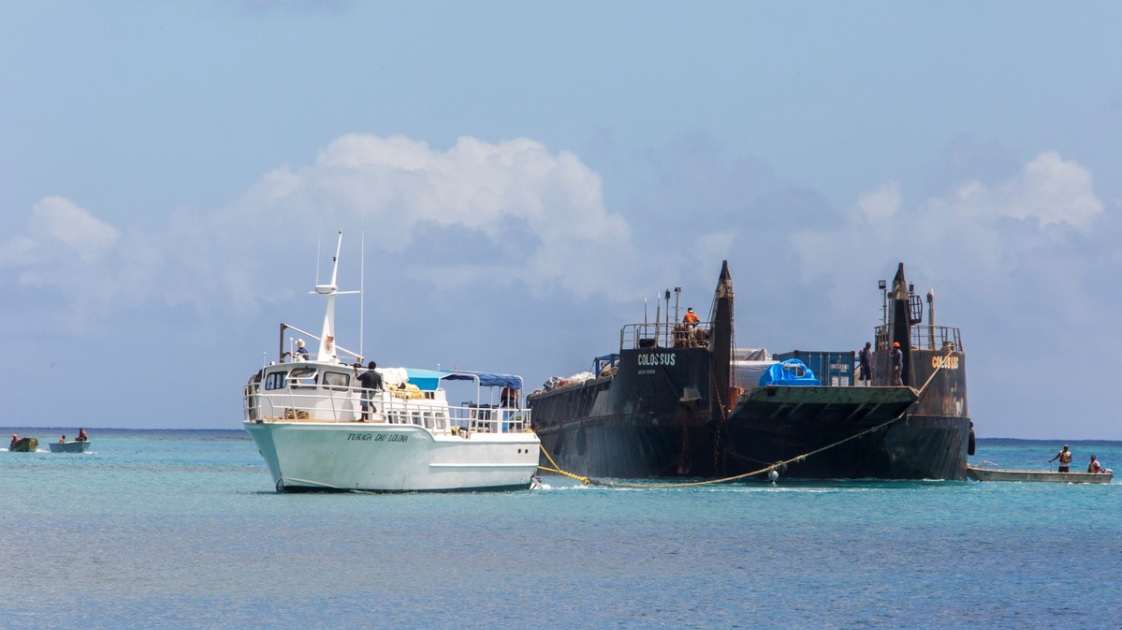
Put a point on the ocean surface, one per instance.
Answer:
(183, 529)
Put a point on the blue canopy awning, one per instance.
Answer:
(430, 379)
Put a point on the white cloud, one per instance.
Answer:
(403, 190)
(982, 232)
(58, 221)
(68, 249)
(880, 204)
(1047, 189)
(506, 212)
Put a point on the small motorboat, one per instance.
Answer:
(25, 445)
(70, 447)
(988, 471)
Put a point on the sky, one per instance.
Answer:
(516, 181)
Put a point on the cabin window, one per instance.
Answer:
(440, 419)
(428, 419)
(276, 380)
(395, 417)
(417, 418)
(336, 380)
(303, 377)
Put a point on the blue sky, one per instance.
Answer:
(525, 174)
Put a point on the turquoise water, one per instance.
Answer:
(182, 528)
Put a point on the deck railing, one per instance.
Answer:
(420, 408)
(941, 338)
(665, 335)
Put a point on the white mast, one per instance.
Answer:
(327, 336)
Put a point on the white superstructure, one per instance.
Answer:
(306, 417)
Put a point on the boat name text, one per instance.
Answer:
(378, 437)
(660, 358)
(947, 363)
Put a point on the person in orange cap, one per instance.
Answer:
(897, 364)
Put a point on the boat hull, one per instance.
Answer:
(70, 447)
(998, 474)
(650, 419)
(764, 430)
(845, 433)
(304, 456)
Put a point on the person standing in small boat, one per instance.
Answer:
(1065, 459)
(82, 437)
(15, 439)
(1094, 466)
(371, 380)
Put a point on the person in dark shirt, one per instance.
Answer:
(866, 361)
(371, 381)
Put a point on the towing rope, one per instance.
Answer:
(766, 470)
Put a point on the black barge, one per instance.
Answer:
(671, 404)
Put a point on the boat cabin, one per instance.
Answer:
(329, 392)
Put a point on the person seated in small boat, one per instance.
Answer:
(15, 440)
(1094, 466)
(62, 440)
(82, 437)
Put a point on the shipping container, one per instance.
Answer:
(835, 369)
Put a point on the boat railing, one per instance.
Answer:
(939, 338)
(417, 407)
(665, 335)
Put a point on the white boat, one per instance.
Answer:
(306, 419)
(70, 447)
(988, 471)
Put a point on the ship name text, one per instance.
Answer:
(377, 437)
(945, 362)
(657, 358)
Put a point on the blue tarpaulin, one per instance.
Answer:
(789, 372)
(430, 379)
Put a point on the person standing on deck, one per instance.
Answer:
(371, 380)
(690, 317)
(897, 364)
(866, 362)
(1065, 459)
(301, 352)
